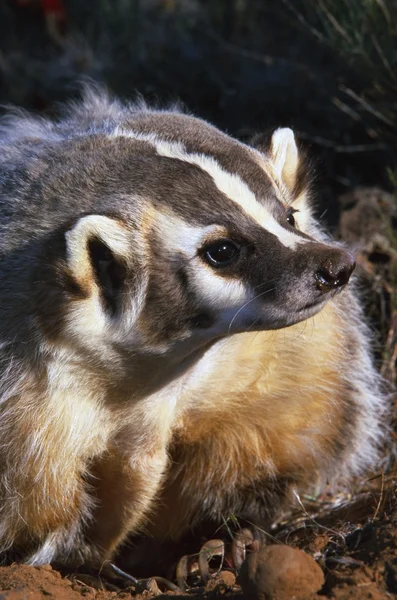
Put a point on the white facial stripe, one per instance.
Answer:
(177, 235)
(229, 184)
(215, 291)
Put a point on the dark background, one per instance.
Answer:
(324, 67)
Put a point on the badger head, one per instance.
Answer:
(170, 234)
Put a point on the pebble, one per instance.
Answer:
(224, 578)
(279, 572)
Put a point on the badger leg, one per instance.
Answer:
(124, 488)
(84, 519)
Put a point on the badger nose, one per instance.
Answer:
(335, 271)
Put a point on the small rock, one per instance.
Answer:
(319, 543)
(224, 579)
(227, 577)
(152, 587)
(280, 572)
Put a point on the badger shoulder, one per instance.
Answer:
(271, 412)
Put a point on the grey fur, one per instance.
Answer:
(129, 271)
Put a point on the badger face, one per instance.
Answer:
(200, 237)
(234, 277)
(233, 246)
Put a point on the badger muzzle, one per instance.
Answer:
(296, 284)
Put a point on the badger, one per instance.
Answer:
(177, 341)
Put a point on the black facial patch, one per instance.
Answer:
(202, 320)
(108, 271)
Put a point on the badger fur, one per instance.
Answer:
(174, 346)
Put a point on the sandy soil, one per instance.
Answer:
(360, 564)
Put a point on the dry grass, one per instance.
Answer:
(363, 33)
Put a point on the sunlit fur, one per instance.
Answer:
(140, 388)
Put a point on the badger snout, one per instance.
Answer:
(334, 271)
(327, 271)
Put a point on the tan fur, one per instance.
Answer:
(242, 432)
(142, 387)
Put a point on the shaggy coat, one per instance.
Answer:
(174, 345)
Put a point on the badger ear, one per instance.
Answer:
(97, 249)
(285, 157)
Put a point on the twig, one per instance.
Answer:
(346, 109)
(305, 23)
(337, 26)
(367, 106)
(383, 8)
(265, 59)
(333, 531)
(380, 497)
(383, 58)
(347, 149)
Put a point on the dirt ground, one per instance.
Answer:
(356, 551)
(350, 540)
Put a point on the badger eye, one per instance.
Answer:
(221, 253)
(290, 217)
